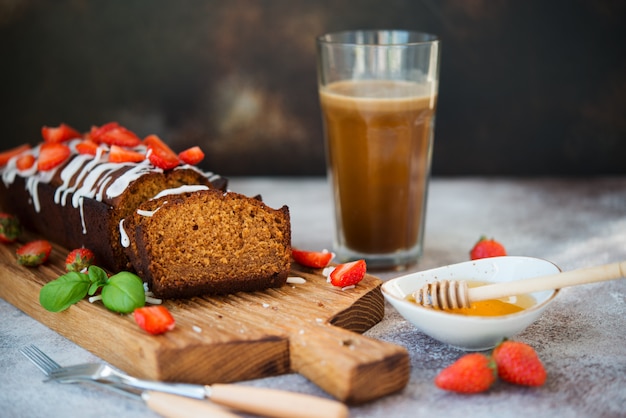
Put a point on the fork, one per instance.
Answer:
(260, 401)
(167, 405)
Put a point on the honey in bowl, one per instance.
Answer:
(490, 307)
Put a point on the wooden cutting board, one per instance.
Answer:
(313, 329)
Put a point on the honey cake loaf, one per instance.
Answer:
(82, 201)
(208, 242)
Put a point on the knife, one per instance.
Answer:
(260, 401)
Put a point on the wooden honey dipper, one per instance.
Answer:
(452, 294)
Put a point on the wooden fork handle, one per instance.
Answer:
(555, 281)
(175, 406)
(275, 403)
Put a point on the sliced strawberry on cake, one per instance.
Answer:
(191, 156)
(119, 154)
(5, 156)
(25, 162)
(52, 154)
(59, 133)
(113, 133)
(160, 154)
(87, 147)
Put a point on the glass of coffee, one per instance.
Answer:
(378, 94)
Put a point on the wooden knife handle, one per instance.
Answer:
(275, 403)
(174, 406)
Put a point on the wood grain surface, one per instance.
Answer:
(313, 329)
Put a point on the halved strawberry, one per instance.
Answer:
(79, 259)
(191, 156)
(154, 319)
(348, 274)
(113, 133)
(5, 156)
(160, 154)
(119, 154)
(60, 133)
(313, 259)
(25, 162)
(51, 154)
(87, 146)
(33, 253)
(10, 228)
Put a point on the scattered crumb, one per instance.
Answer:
(296, 280)
(197, 329)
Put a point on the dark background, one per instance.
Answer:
(528, 87)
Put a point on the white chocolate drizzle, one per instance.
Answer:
(91, 177)
(124, 239)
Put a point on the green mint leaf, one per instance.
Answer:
(60, 294)
(123, 293)
(98, 278)
(93, 288)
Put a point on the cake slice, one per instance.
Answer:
(208, 242)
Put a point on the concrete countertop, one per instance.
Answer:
(581, 338)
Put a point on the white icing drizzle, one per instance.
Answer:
(68, 173)
(180, 190)
(87, 176)
(136, 171)
(124, 239)
(147, 213)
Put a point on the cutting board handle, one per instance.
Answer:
(345, 363)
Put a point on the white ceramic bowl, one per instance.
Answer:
(471, 333)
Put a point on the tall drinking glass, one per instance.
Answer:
(378, 94)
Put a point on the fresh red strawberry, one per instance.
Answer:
(10, 228)
(485, 247)
(313, 259)
(25, 161)
(52, 154)
(87, 146)
(119, 154)
(160, 154)
(348, 274)
(8, 154)
(154, 319)
(191, 156)
(60, 133)
(33, 253)
(472, 373)
(79, 259)
(519, 363)
(114, 134)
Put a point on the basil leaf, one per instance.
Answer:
(98, 278)
(123, 292)
(60, 294)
